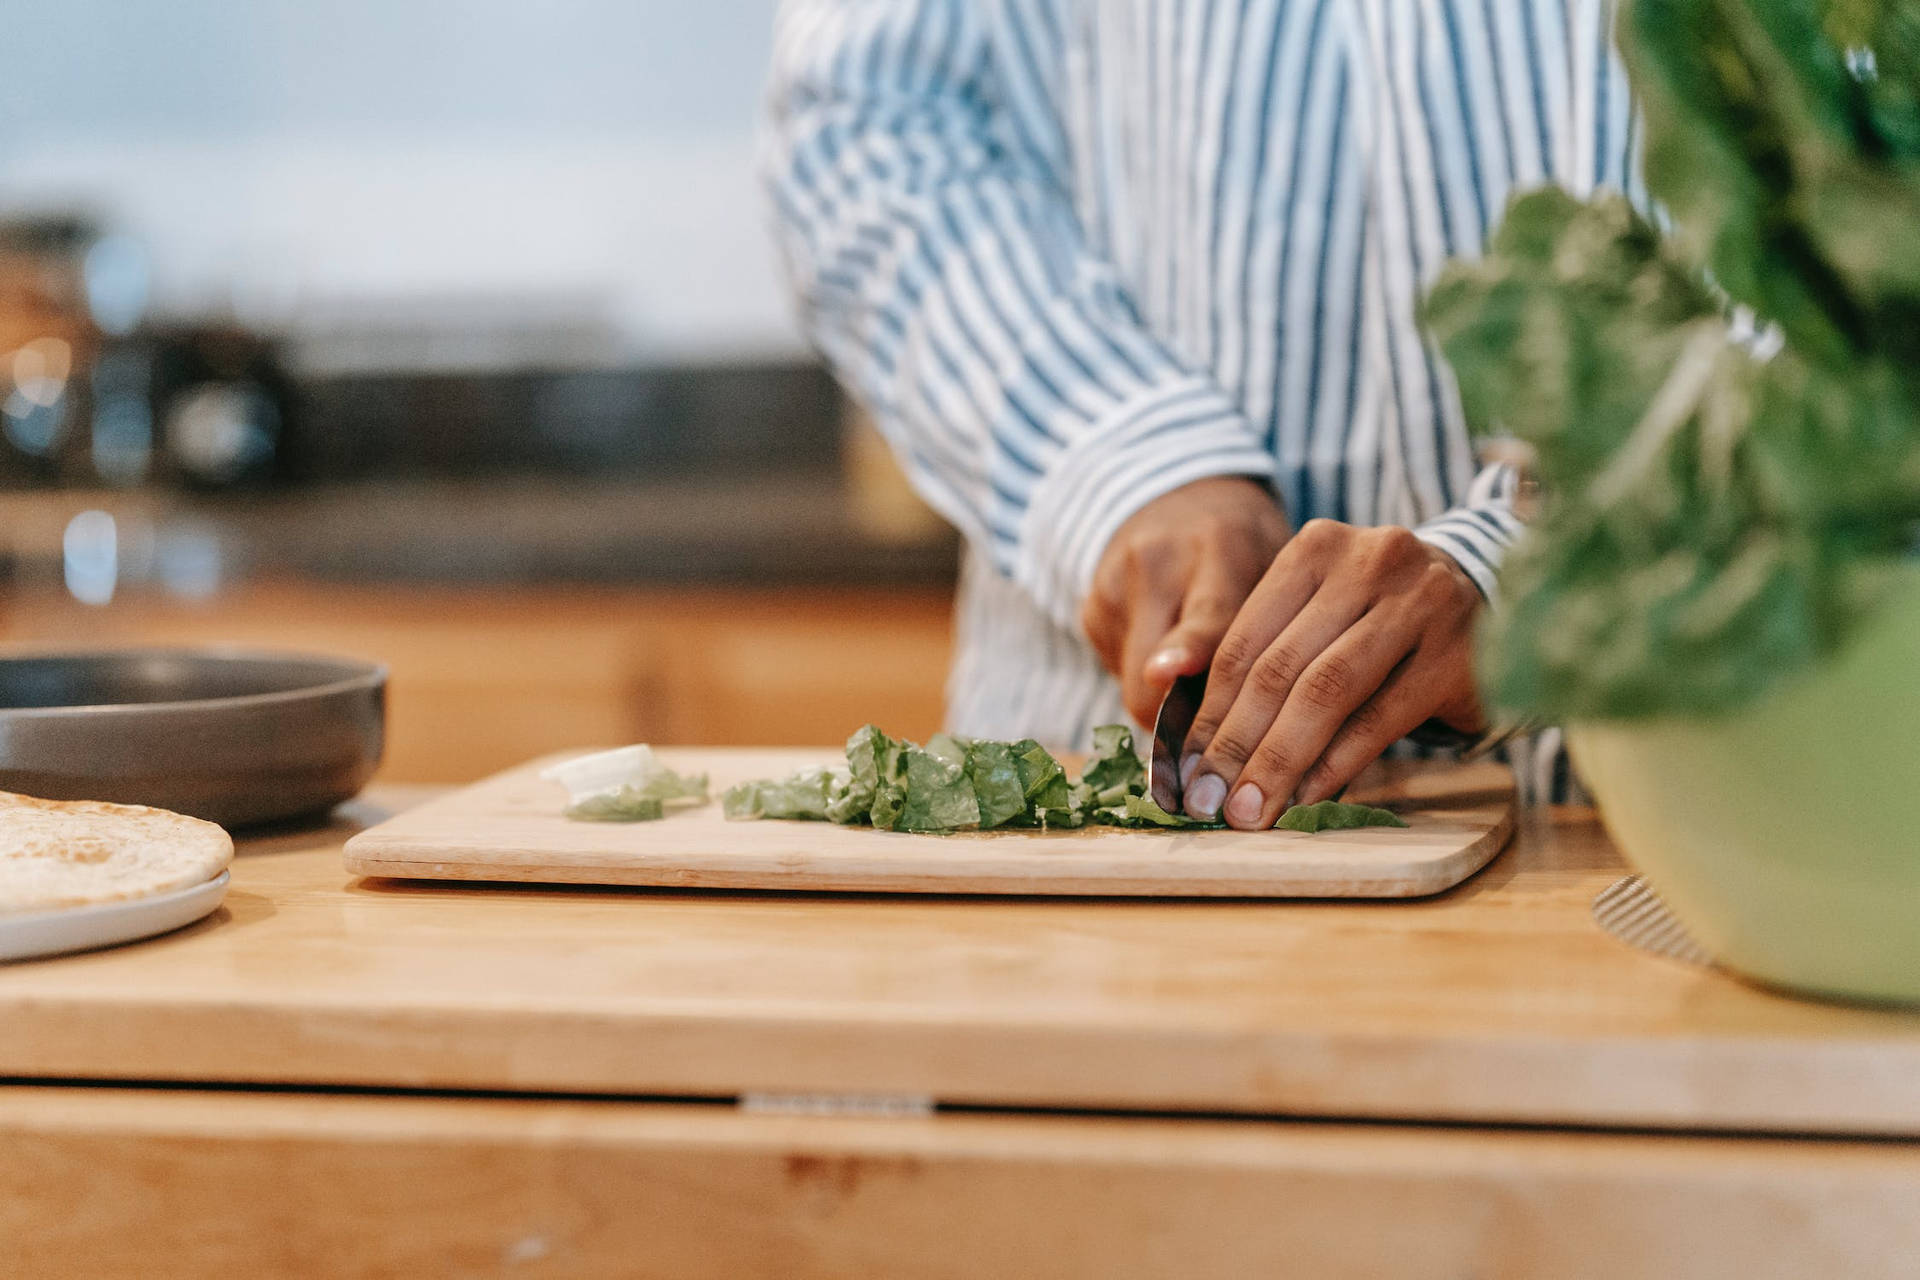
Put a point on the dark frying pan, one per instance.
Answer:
(234, 737)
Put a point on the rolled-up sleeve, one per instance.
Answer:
(1478, 532)
(943, 274)
(1604, 130)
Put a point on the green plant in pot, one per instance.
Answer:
(1719, 595)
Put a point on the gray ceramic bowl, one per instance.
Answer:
(233, 737)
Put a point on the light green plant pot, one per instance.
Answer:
(1786, 836)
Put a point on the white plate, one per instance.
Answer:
(47, 933)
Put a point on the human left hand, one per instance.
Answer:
(1354, 637)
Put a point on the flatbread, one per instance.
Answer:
(75, 853)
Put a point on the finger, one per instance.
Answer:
(1332, 689)
(1206, 613)
(1153, 603)
(1397, 708)
(1262, 694)
(1274, 603)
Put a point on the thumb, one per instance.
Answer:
(1188, 648)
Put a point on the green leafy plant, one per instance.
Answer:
(1718, 511)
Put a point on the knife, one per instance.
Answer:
(1170, 726)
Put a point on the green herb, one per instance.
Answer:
(966, 784)
(625, 785)
(939, 795)
(995, 775)
(1332, 815)
(625, 804)
(807, 794)
(1142, 811)
(1714, 519)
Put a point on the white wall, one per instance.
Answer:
(314, 161)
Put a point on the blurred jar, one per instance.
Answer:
(92, 393)
(47, 340)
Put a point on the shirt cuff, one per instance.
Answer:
(1477, 538)
(1149, 447)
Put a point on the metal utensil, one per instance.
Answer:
(1170, 726)
(232, 737)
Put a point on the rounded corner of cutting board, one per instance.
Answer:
(362, 857)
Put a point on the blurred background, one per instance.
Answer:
(448, 334)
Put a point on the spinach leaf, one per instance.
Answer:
(804, 795)
(937, 796)
(623, 804)
(1142, 811)
(628, 784)
(1115, 764)
(1333, 815)
(995, 775)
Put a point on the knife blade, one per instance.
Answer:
(1170, 726)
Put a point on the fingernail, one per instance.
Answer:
(1169, 658)
(1187, 767)
(1244, 809)
(1205, 795)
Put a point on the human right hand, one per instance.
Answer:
(1172, 579)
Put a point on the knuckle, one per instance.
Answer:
(1365, 722)
(1229, 747)
(1235, 655)
(1273, 675)
(1329, 683)
(1273, 759)
(1317, 533)
(1389, 547)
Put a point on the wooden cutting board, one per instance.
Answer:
(509, 828)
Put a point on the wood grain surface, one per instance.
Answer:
(110, 1183)
(509, 827)
(1499, 1000)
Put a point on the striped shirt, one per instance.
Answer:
(1073, 254)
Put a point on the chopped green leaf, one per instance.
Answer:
(965, 784)
(938, 795)
(625, 785)
(1332, 815)
(1114, 764)
(1141, 810)
(804, 795)
(623, 804)
(995, 776)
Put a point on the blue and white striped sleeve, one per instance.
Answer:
(1478, 532)
(943, 274)
(1604, 128)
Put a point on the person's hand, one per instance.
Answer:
(1170, 581)
(1354, 637)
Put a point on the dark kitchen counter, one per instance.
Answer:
(756, 529)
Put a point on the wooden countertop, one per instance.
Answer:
(105, 1182)
(1499, 1001)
